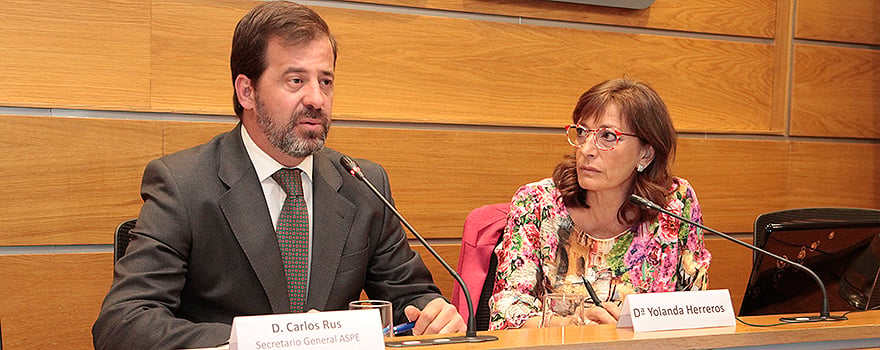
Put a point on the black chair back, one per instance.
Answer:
(122, 237)
(481, 314)
(825, 240)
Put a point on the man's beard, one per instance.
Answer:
(285, 137)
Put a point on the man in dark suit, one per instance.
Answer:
(207, 247)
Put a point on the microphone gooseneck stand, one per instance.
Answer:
(824, 315)
(471, 334)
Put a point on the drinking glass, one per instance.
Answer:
(385, 315)
(561, 309)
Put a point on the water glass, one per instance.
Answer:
(385, 315)
(561, 309)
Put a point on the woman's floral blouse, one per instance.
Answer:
(658, 256)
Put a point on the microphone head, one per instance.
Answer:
(350, 165)
(643, 202)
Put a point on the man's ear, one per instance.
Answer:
(244, 90)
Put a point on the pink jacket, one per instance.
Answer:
(482, 228)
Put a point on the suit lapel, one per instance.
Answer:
(245, 209)
(333, 218)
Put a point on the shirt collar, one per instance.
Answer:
(266, 165)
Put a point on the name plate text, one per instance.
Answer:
(677, 310)
(331, 330)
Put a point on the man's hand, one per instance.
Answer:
(438, 317)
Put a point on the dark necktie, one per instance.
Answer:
(293, 236)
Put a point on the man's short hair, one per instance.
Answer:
(293, 23)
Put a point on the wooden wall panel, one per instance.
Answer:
(391, 70)
(182, 135)
(829, 174)
(189, 71)
(784, 50)
(442, 278)
(445, 174)
(855, 21)
(738, 17)
(835, 92)
(473, 72)
(735, 180)
(71, 180)
(730, 267)
(191, 42)
(51, 301)
(78, 53)
(438, 176)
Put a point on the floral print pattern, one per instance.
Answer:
(542, 252)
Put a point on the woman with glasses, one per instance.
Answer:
(577, 229)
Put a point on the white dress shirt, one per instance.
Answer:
(272, 191)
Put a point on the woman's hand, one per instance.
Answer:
(609, 313)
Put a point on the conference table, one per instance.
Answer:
(861, 330)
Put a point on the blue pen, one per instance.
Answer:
(404, 327)
(401, 328)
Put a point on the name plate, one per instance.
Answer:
(677, 310)
(336, 330)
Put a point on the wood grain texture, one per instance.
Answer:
(474, 72)
(737, 17)
(442, 278)
(855, 21)
(79, 53)
(51, 301)
(781, 106)
(180, 135)
(438, 176)
(190, 46)
(71, 180)
(835, 92)
(728, 175)
(516, 74)
(729, 268)
(827, 174)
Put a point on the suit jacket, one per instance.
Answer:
(204, 250)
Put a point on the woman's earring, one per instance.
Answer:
(641, 167)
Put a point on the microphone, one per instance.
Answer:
(824, 315)
(471, 334)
